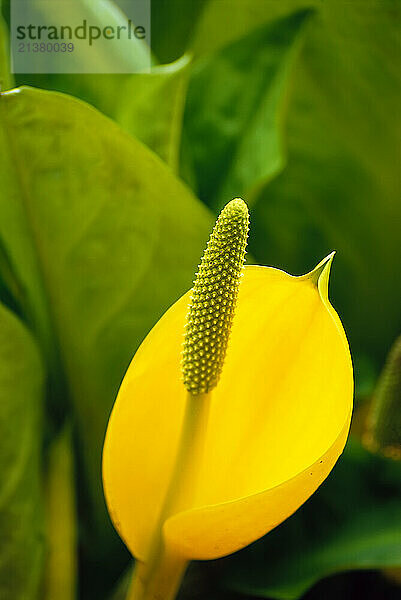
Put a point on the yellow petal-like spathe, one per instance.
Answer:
(278, 420)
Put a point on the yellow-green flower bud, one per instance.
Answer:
(384, 422)
(213, 299)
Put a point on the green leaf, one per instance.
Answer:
(151, 108)
(236, 107)
(20, 268)
(341, 188)
(6, 79)
(103, 239)
(21, 510)
(352, 522)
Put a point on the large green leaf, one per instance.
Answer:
(151, 107)
(341, 188)
(235, 111)
(102, 238)
(21, 510)
(352, 522)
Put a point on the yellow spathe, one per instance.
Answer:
(276, 423)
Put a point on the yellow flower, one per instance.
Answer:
(200, 475)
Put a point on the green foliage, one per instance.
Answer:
(352, 522)
(235, 111)
(140, 112)
(21, 510)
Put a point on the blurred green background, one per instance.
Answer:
(107, 196)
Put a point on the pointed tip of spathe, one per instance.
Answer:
(322, 268)
(319, 276)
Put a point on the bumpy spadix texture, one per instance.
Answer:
(279, 418)
(213, 299)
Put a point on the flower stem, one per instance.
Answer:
(159, 577)
(61, 570)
